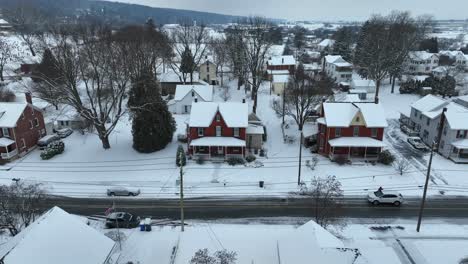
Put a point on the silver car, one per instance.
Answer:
(122, 191)
(380, 197)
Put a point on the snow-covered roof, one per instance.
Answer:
(356, 142)
(327, 43)
(3, 22)
(234, 114)
(440, 69)
(337, 60)
(457, 120)
(280, 78)
(421, 55)
(10, 113)
(428, 103)
(462, 98)
(5, 142)
(279, 72)
(451, 108)
(255, 129)
(218, 141)
(362, 83)
(205, 92)
(282, 60)
(461, 144)
(56, 238)
(342, 114)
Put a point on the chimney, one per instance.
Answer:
(28, 97)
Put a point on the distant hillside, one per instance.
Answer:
(118, 13)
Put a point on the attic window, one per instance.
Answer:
(218, 118)
(357, 119)
(193, 93)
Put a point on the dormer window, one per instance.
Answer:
(218, 118)
(358, 119)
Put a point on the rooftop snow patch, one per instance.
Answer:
(233, 114)
(10, 113)
(282, 60)
(356, 142)
(457, 120)
(217, 141)
(374, 114)
(326, 43)
(428, 103)
(57, 238)
(204, 92)
(342, 114)
(280, 78)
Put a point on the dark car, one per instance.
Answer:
(43, 142)
(122, 220)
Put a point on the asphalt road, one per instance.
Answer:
(213, 208)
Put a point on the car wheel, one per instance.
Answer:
(375, 202)
(111, 194)
(397, 203)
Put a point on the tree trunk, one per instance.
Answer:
(32, 50)
(105, 142)
(377, 90)
(191, 78)
(300, 159)
(254, 97)
(393, 83)
(1, 75)
(102, 132)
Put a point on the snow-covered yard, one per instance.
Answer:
(87, 170)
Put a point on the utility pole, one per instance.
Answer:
(284, 103)
(300, 159)
(181, 193)
(425, 187)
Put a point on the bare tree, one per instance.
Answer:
(401, 165)
(236, 55)
(219, 49)
(6, 95)
(189, 37)
(203, 256)
(20, 205)
(95, 74)
(225, 94)
(7, 54)
(325, 194)
(256, 44)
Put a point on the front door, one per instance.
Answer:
(220, 151)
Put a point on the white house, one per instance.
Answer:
(367, 85)
(461, 61)
(421, 62)
(185, 95)
(57, 238)
(326, 44)
(454, 138)
(337, 68)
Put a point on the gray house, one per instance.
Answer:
(454, 139)
(255, 134)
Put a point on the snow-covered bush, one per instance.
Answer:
(386, 157)
(250, 158)
(53, 149)
(262, 153)
(181, 160)
(235, 161)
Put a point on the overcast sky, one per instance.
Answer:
(317, 9)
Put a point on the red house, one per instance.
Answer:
(217, 130)
(352, 130)
(21, 125)
(281, 63)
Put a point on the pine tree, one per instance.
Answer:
(47, 70)
(187, 65)
(152, 124)
(181, 160)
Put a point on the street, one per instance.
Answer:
(211, 208)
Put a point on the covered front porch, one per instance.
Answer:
(217, 148)
(459, 152)
(355, 148)
(8, 148)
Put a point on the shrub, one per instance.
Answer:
(200, 160)
(181, 160)
(386, 157)
(53, 149)
(235, 161)
(250, 158)
(341, 160)
(262, 153)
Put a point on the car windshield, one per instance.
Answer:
(378, 193)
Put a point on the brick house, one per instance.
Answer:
(352, 130)
(21, 126)
(281, 63)
(217, 131)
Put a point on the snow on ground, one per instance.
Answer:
(87, 170)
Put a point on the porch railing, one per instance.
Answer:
(10, 154)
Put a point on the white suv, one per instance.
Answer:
(380, 197)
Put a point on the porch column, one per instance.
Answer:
(209, 151)
(349, 153)
(458, 154)
(365, 153)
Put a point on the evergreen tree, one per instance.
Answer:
(187, 64)
(47, 70)
(152, 124)
(181, 160)
(343, 42)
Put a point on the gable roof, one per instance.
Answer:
(428, 103)
(457, 120)
(342, 114)
(337, 60)
(421, 55)
(327, 42)
(205, 92)
(233, 114)
(10, 113)
(282, 60)
(56, 238)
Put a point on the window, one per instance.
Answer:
(6, 132)
(201, 132)
(31, 124)
(218, 131)
(428, 121)
(23, 143)
(445, 130)
(22, 115)
(373, 132)
(338, 132)
(322, 144)
(356, 131)
(357, 119)
(218, 118)
(193, 94)
(36, 122)
(236, 131)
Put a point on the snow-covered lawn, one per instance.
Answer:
(87, 170)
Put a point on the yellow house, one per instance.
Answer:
(279, 83)
(208, 72)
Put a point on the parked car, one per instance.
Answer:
(122, 220)
(417, 143)
(122, 191)
(381, 197)
(64, 132)
(43, 142)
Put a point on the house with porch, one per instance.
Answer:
(21, 125)
(217, 131)
(454, 138)
(351, 130)
(421, 62)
